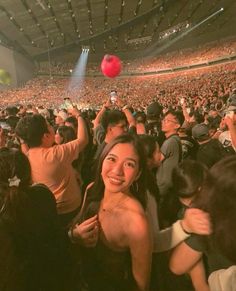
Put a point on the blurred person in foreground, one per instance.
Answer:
(218, 198)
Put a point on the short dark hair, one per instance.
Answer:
(73, 120)
(149, 144)
(11, 110)
(177, 114)
(188, 178)
(112, 117)
(31, 129)
(67, 133)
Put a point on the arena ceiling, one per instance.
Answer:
(38, 28)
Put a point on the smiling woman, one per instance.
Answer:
(121, 259)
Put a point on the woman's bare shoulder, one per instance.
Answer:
(135, 218)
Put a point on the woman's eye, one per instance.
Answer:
(130, 164)
(112, 159)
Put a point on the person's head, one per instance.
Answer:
(152, 150)
(64, 134)
(200, 132)
(219, 199)
(140, 117)
(35, 131)
(114, 123)
(196, 117)
(154, 111)
(11, 111)
(15, 173)
(122, 168)
(188, 178)
(171, 122)
(72, 122)
(61, 117)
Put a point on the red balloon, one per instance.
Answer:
(111, 66)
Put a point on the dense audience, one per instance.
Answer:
(210, 82)
(96, 191)
(185, 57)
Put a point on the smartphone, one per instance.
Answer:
(113, 96)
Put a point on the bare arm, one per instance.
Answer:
(82, 134)
(183, 259)
(232, 129)
(185, 113)
(127, 112)
(198, 277)
(97, 120)
(140, 245)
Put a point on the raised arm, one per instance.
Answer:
(125, 108)
(105, 106)
(232, 129)
(82, 134)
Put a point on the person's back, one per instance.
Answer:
(210, 152)
(52, 165)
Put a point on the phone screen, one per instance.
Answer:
(113, 96)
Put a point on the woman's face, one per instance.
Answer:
(58, 138)
(120, 168)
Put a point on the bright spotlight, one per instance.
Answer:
(222, 8)
(85, 48)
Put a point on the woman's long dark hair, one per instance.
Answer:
(13, 200)
(96, 192)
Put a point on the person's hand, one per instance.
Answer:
(74, 111)
(196, 221)
(87, 232)
(119, 102)
(108, 103)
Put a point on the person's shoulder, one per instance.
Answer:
(40, 191)
(59, 150)
(135, 218)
